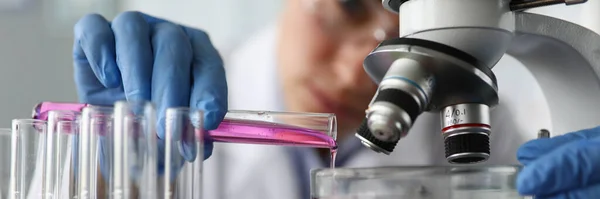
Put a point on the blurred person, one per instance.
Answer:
(310, 60)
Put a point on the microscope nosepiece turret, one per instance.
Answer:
(415, 76)
(440, 62)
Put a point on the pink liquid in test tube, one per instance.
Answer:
(259, 132)
(234, 130)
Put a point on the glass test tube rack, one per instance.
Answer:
(71, 150)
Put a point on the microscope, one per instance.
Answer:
(443, 62)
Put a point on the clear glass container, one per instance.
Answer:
(426, 182)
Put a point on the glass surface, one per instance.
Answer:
(28, 141)
(277, 128)
(5, 134)
(496, 182)
(184, 153)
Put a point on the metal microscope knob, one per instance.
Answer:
(466, 129)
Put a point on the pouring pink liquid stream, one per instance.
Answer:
(237, 131)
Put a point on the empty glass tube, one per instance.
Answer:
(5, 152)
(92, 170)
(60, 145)
(28, 141)
(133, 151)
(183, 153)
(65, 184)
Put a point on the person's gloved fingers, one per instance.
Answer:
(95, 68)
(171, 74)
(583, 193)
(175, 159)
(134, 54)
(568, 167)
(152, 19)
(193, 133)
(94, 47)
(181, 133)
(534, 149)
(208, 147)
(209, 86)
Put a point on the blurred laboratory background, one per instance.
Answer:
(36, 38)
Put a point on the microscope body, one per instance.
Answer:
(442, 62)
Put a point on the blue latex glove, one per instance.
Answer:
(562, 167)
(140, 57)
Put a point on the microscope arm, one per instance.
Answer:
(564, 58)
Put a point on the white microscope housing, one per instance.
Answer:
(442, 62)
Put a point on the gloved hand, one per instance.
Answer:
(140, 57)
(566, 166)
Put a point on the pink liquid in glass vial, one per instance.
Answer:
(259, 132)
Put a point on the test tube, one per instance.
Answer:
(92, 168)
(62, 129)
(184, 153)
(133, 149)
(256, 127)
(318, 130)
(27, 158)
(5, 151)
(65, 184)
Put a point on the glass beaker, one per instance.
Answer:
(5, 153)
(28, 151)
(426, 182)
(183, 153)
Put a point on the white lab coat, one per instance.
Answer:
(270, 172)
